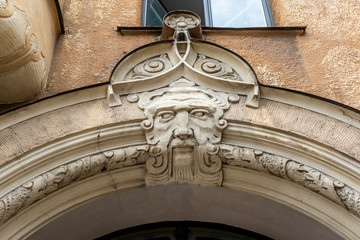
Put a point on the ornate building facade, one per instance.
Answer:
(107, 125)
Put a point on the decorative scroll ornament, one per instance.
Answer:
(150, 67)
(159, 64)
(22, 64)
(215, 68)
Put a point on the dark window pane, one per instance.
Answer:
(156, 12)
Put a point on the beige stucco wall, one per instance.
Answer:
(324, 62)
(330, 49)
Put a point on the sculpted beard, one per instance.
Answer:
(182, 155)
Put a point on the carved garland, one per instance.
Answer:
(296, 172)
(41, 186)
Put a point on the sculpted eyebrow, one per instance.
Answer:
(167, 107)
(210, 108)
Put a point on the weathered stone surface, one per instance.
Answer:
(341, 136)
(27, 135)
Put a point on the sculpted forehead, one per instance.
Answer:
(183, 96)
(182, 105)
(177, 101)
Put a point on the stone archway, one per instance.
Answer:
(98, 130)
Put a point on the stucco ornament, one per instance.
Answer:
(183, 129)
(151, 155)
(22, 63)
(206, 64)
(184, 21)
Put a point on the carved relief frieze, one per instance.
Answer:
(189, 155)
(41, 186)
(184, 88)
(304, 175)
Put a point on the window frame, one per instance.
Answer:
(208, 13)
(268, 13)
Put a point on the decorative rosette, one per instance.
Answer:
(184, 21)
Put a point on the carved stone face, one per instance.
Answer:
(182, 124)
(183, 129)
(181, 119)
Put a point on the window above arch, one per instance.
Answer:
(214, 13)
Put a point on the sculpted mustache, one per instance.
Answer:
(183, 143)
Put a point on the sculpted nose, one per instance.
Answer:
(183, 131)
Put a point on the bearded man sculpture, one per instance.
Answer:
(183, 129)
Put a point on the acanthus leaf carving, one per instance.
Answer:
(41, 186)
(349, 197)
(304, 175)
(203, 167)
(3, 4)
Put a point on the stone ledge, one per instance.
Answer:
(269, 31)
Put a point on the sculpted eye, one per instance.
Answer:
(166, 115)
(200, 113)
